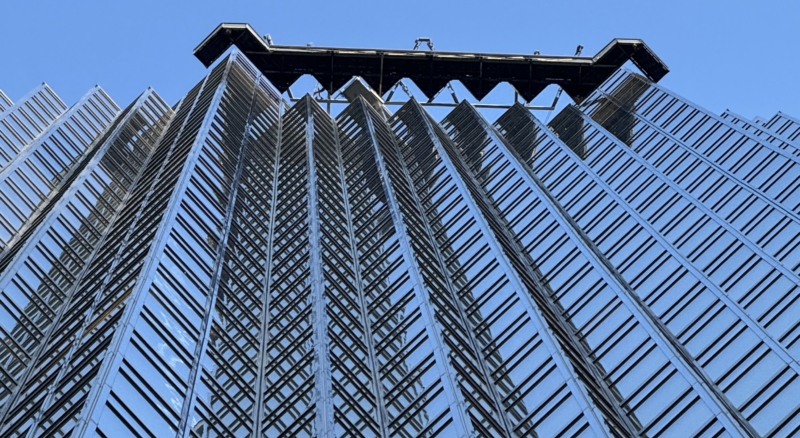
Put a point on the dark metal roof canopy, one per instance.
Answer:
(430, 71)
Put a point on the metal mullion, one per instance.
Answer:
(234, 377)
(290, 374)
(299, 423)
(532, 381)
(437, 182)
(240, 321)
(147, 391)
(232, 408)
(788, 332)
(508, 332)
(284, 331)
(353, 405)
(756, 353)
(288, 260)
(576, 181)
(527, 211)
(384, 296)
(606, 206)
(785, 421)
(517, 358)
(418, 404)
(400, 356)
(676, 416)
(346, 321)
(290, 211)
(24, 320)
(767, 386)
(395, 332)
(644, 391)
(456, 338)
(479, 276)
(295, 342)
(476, 306)
(732, 129)
(203, 224)
(342, 296)
(599, 315)
(453, 237)
(431, 133)
(243, 332)
(289, 402)
(151, 355)
(369, 221)
(286, 375)
(618, 336)
(491, 165)
(40, 303)
(360, 188)
(30, 184)
(15, 347)
(363, 416)
(431, 423)
(626, 366)
(347, 371)
(479, 302)
(509, 176)
(677, 305)
(392, 265)
(292, 285)
(336, 248)
(475, 258)
(696, 326)
(166, 335)
(475, 404)
(439, 212)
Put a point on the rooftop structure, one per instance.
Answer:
(430, 71)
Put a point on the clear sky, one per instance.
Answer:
(741, 55)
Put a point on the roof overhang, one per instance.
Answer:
(430, 71)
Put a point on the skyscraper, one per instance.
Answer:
(241, 264)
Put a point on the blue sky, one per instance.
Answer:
(734, 54)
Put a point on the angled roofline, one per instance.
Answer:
(430, 71)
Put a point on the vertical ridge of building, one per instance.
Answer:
(120, 294)
(691, 203)
(317, 133)
(667, 166)
(260, 171)
(396, 185)
(640, 242)
(667, 343)
(505, 247)
(230, 144)
(745, 227)
(416, 125)
(289, 376)
(701, 272)
(110, 174)
(340, 224)
(54, 151)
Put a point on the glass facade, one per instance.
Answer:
(240, 266)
